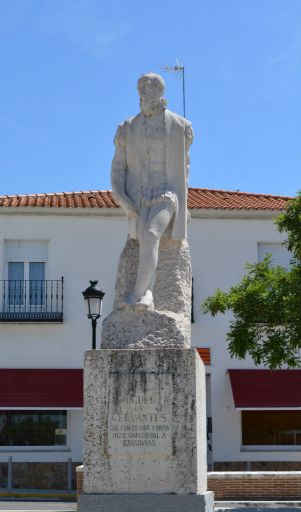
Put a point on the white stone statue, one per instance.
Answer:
(149, 178)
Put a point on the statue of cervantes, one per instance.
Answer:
(149, 178)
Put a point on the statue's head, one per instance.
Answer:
(151, 89)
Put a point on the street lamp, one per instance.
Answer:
(93, 295)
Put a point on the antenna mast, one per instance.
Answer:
(179, 71)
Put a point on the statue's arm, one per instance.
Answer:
(118, 173)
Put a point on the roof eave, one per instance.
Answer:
(234, 213)
(208, 213)
(61, 210)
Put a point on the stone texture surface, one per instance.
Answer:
(169, 324)
(149, 329)
(145, 422)
(146, 503)
(172, 291)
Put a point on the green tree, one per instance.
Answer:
(266, 304)
(290, 222)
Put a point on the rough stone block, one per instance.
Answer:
(145, 422)
(148, 329)
(169, 325)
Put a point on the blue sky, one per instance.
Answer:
(68, 77)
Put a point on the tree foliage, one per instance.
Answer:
(266, 304)
(290, 222)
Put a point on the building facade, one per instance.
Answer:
(50, 246)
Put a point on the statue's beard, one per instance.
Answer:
(153, 108)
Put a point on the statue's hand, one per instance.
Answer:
(130, 209)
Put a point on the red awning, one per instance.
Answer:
(41, 388)
(266, 388)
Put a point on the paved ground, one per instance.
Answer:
(55, 506)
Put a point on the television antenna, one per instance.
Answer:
(179, 72)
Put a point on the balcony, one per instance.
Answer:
(33, 301)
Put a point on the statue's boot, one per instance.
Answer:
(146, 302)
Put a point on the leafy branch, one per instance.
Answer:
(266, 304)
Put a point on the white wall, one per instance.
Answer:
(220, 248)
(83, 247)
(80, 248)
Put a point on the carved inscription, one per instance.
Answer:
(140, 416)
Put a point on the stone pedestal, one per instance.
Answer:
(145, 431)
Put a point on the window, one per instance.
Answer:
(15, 283)
(271, 428)
(27, 295)
(18, 286)
(26, 260)
(33, 428)
(280, 254)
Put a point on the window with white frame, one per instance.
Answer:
(271, 428)
(279, 253)
(25, 262)
(33, 428)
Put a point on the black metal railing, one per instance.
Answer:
(32, 300)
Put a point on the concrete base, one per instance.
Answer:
(146, 502)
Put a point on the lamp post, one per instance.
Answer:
(93, 295)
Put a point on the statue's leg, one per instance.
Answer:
(151, 225)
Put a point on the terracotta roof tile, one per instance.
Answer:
(205, 355)
(228, 200)
(200, 198)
